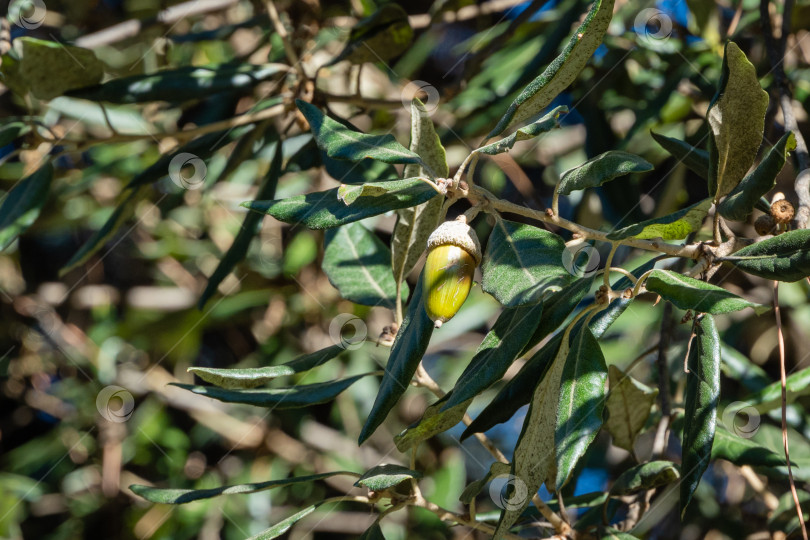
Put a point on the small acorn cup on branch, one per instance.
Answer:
(453, 254)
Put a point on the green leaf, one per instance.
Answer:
(357, 264)
(473, 489)
(373, 533)
(769, 398)
(406, 353)
(741, 201)
(562, 71)
(415, 224)
(283, 526)
(434, 421)
(426, 144)
(10, 131)
(202, 148)
(501, 346)
(690, 293)
(181, 84)
(737, 120)
(629, 405)
(644, 477)
(785, 257)
(518, 391)
(293, 397)
(253, 377)
(557, 308)
(784, 517)
(236, 253)
(120, 215)
(382, 477)
(326, 209)
(384, 35)
(582, 399)
(701, 399)
(340, 142)
(743, 451)
(674, 226)
(534, 455)
(49, 69)
(22, 205)
(601, 169)
(182, 496)
(523, 263)
(546, 123)
(694, 158)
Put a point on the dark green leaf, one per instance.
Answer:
(523, 263)
(741, 450)
(694, 158)
(22, 205)
(645, 476)
(382, 477)
(357, 264)
(616, 534)
(549, 121)
(239, 248)
(534, 456)
(121, 214)
(737, 120)
(325, 209)
(675, 226)
(340, 142)
(202, 148)
(701, 400)
(582, 399)
(384, 35)
(181, 496)
(10, 131)
(741, 201)
(373, 533)
(690, 293)
(502, 344)
(785, 257)
(406, 353)
(562, 71)
(253, 377)
(283, 526)
(769, 398)
(473, 489)
(518, 391)
(434, 421)
(603, 168)
(629, 404)
(181, 84)
(293, 397)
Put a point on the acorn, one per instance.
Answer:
(453, 253)
(782, 211)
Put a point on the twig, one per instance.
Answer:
(289, 50)
(689, 251)
(168, 16)
(783, 378)
(231, 123)
(776, 54)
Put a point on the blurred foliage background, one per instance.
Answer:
(127, 315)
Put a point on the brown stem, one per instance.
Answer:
(783, 378)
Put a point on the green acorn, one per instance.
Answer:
(453, 253)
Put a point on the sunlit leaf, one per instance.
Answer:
(629, 404)
(603, 168)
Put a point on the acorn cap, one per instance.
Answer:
(456, 233)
